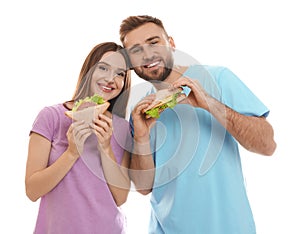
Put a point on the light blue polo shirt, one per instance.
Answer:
(199, 185)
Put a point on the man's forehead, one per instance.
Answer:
(142, 34)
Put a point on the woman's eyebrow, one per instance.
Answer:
(101, 62)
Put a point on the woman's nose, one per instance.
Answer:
(110, 76)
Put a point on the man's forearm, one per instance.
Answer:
(253, 133)
(142, 168)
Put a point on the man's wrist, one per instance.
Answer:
(141, 139)
(142, 146)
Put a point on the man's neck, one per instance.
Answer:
(176, 73)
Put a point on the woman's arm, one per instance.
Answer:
(116, 175)
(41, 178)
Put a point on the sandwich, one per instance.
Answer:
(88, 108)
(164, 98)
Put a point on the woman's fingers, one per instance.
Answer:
(78, 132)
(103, 128)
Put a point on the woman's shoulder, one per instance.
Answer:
(52, 112)
(55, 109)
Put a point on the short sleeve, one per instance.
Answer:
(236, 95)
(44, 123)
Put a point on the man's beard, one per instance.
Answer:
(155, 75)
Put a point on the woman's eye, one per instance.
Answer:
(122, 74)
(103, 68)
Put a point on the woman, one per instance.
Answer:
(79, 170)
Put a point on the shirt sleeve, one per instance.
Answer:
(44, 124)
(236, 95)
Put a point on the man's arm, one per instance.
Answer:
(142, 168)
(253, 133)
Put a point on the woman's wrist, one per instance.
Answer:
(73, 155)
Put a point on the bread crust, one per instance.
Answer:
(89, 113)
(163, 96)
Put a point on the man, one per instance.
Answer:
(189, 157)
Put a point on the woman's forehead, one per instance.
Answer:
(114, 59)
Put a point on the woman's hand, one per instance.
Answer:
(103, 128)
(78, 132)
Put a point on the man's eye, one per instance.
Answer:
(136, 50)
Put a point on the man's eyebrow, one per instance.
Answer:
(147, 40)
(151, 38)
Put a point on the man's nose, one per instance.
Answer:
(147, 52)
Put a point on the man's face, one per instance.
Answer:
(150, 52)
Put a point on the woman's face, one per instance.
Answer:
(109, 75)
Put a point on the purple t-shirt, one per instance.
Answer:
(82, 202)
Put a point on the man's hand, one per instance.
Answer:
(140, 123)
(197, 97)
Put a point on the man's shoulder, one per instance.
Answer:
(215, 69)
(199, 71)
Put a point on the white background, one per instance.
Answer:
(44, 43)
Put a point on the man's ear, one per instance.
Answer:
(172, 43)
